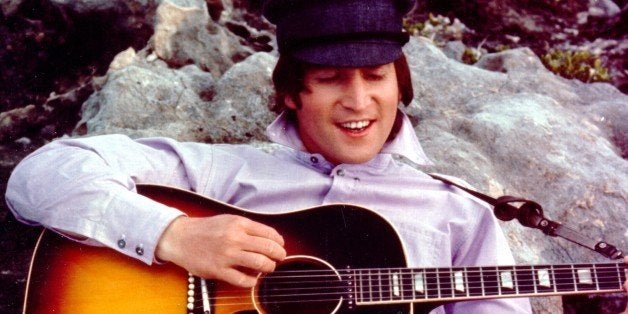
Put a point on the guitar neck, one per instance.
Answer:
(401, 285)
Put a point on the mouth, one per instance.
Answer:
(355, 126)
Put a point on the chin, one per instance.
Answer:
(354, 159)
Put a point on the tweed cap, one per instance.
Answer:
(350, 33)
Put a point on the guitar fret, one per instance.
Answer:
(474, 282)
(459, 282)
(379, 284)
(437, 282)
(564, 279)
(412, 286)
(573, 275)
(405, 284)
(358, 290)
(491, 282)
(514, 274)
(597, 281)
(445, 287)
(431, 283)
(553, 273)
(466, 276)
(357, 280)
(544, 277)
(534, 280)
(452, 286)
(497, 281)
(525, 280)
(607, 277)
(389, 285)
(370, 276)
(482, 281)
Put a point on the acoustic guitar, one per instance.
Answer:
(342, 259)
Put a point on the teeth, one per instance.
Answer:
(356, 125)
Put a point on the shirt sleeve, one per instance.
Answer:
(86, 190)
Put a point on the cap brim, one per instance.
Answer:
(350, 54)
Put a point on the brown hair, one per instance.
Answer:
(289, 74)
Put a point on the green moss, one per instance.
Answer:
(580, 64)
(413, 28)
(471, 56)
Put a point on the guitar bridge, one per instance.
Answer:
(199, 295)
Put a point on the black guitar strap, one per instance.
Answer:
(530, 214)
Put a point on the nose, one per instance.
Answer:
(356, 95)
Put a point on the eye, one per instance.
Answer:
(375, 74)
(326, 76)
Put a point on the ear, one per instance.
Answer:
(290, 102)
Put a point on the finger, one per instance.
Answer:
(266, 247)
(264, 231)
(256, 262)
(238, 278)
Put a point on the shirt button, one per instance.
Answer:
(340, 173)
(122, 243)
(139, 250)
(314, 160)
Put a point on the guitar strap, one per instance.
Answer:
(530, 214)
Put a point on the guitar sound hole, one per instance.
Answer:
(301, 285)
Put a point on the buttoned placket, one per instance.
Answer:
(344, 185)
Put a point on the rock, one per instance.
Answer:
(162, 102)
(13, 122)
(186, 104)
(546, 25)
(184, 35)
(10, 7)
(523, 131)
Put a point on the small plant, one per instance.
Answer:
(440, 29)
(580, 64)
(471, 55)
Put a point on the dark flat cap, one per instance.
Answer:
(340, 32)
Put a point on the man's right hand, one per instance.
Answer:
(230, 248)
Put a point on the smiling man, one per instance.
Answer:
(339, 80)
(347, 114)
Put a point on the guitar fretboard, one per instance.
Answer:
(391, 285)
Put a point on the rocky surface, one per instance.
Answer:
(200, 71)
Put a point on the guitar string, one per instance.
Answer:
(472, 280)
(335, 297)
(402, 299)
(611, 269)
(428, 292)
(600, 273)
(447, 288)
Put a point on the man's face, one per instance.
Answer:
(347, 113)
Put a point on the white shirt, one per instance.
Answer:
(86, 187)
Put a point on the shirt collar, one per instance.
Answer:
(406, 144)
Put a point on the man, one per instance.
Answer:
(339, 80)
